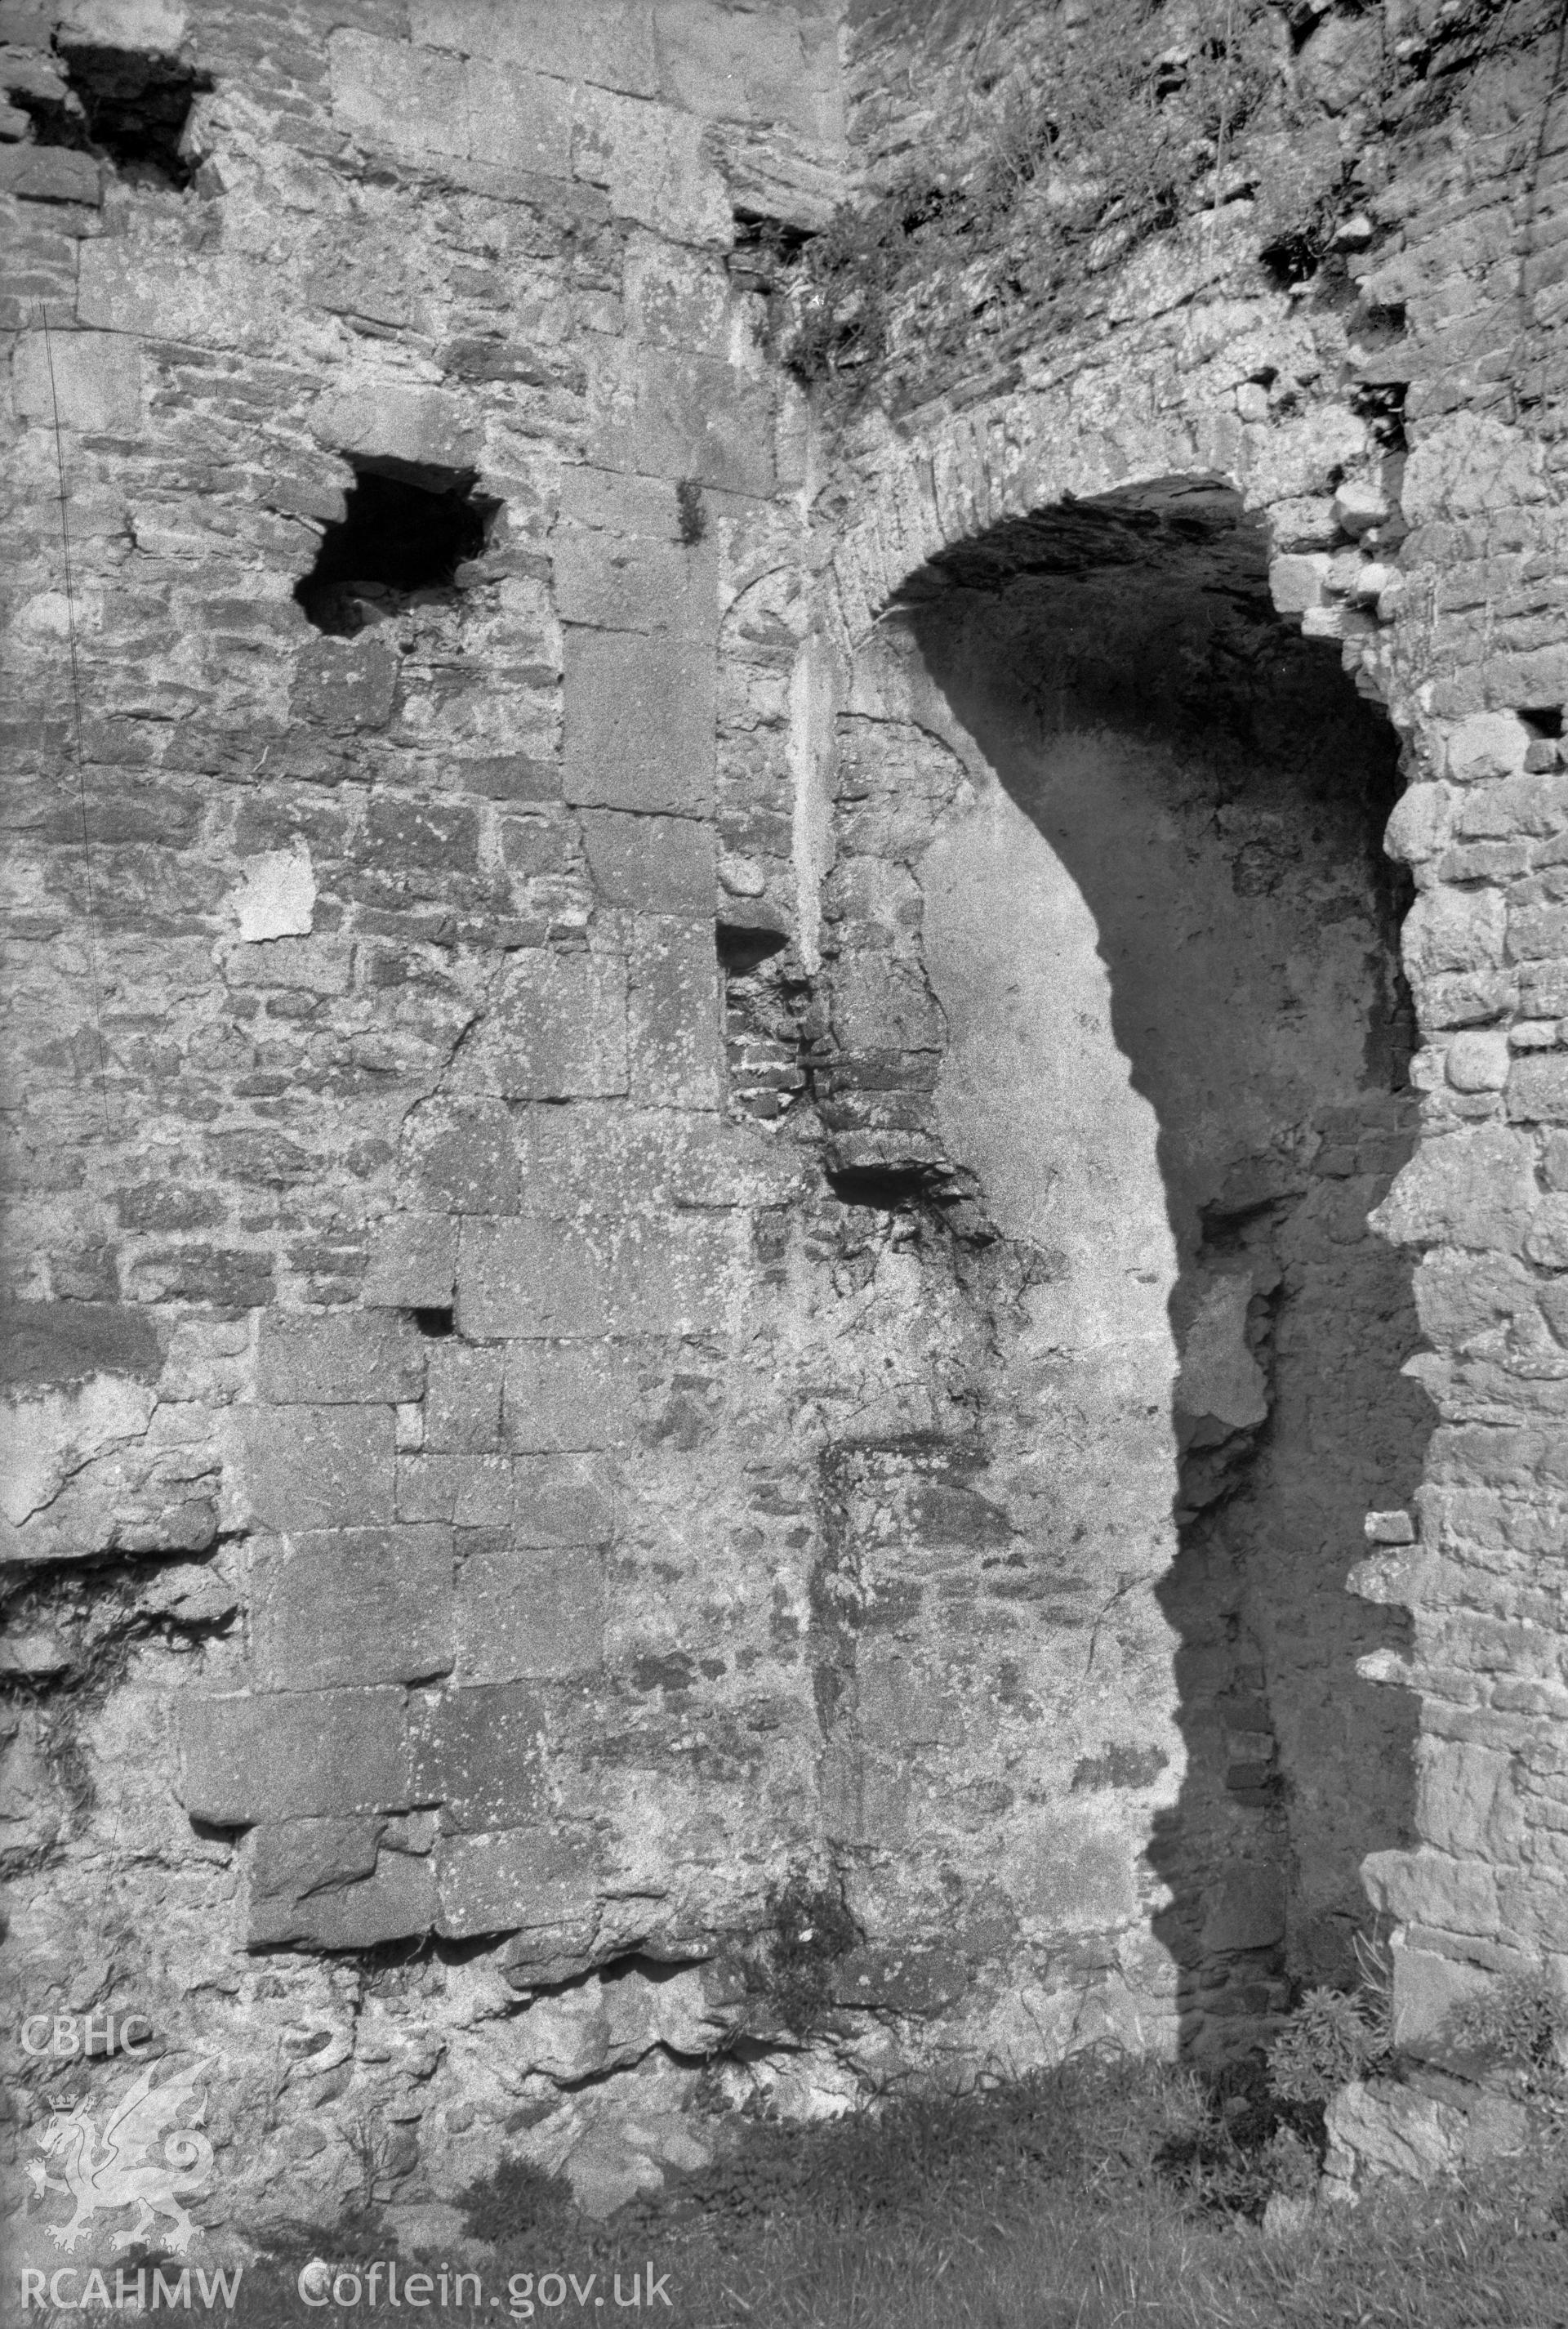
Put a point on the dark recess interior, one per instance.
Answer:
(402, 530)
(122, 105)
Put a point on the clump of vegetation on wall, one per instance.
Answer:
(812, 1928)
(1116, 122)
(1331, 2039)
(1520, 2024)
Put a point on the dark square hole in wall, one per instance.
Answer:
(123, 105)
(1544, 721)
(403, 529)
(434, 1324)
(742, 945)
(885, 1189)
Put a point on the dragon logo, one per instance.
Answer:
(143, 2156)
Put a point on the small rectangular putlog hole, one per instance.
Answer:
(434, 1324)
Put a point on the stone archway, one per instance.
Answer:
(1163, 936)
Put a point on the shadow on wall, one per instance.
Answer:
(1170, 922)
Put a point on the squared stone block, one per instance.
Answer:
(677, 297)
(461, 1156)
(526, 1614)
(288, 1858)
(50, 174)
(556, 1031)
(568, 1398)
(479, 1753)
(437, 836)
(1538, 1090)
(654, 865)
(773, 65)
(391, 93)
(520, 118)
(653, 161)
(96, 377)
(323, 965)
(394, 1901)
(204, 299)
(468, 1491)
(347, 686)
(345, 1358)
(463, 1402)
(674, 1015)
(614, 582)
(606, 42)
(561, 1500)
(292, 1755)
(413, 1264)
(639, 721)
(521, 1279)
(621, 504)
(400, 421)
(675, 1275)
(308, 1467)
(660, 414)
(512, 1879)
(352, 1606)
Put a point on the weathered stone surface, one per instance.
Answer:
(522, 1280)
(640, 719)
(345, 684)
(479, 1753)
(609, 43)
(303, 1753)
(566, 1397)
(556, 1029)
(524, 1614)
(394, 1899)
(352, 1606)
(1385, 2129)
(672, 1017)
(654, 162)
(1472, 1188)
(413, 1265)
(342, 1360)
(562, 1500)
(657, 864)
(92, 380)
(309, 1467)
(684, 417)
(511, 1879)
(63, 1342)
(1247, 1911)
(396, 94)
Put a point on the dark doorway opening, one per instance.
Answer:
(1211, 793)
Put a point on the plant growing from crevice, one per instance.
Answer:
(1110, 132)
(1113, 125)
(811, 1927)
(1519, 2024)
(1331, 2039)
(1333, 2036)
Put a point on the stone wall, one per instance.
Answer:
(596, 1512)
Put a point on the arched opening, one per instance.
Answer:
(1164, 937)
